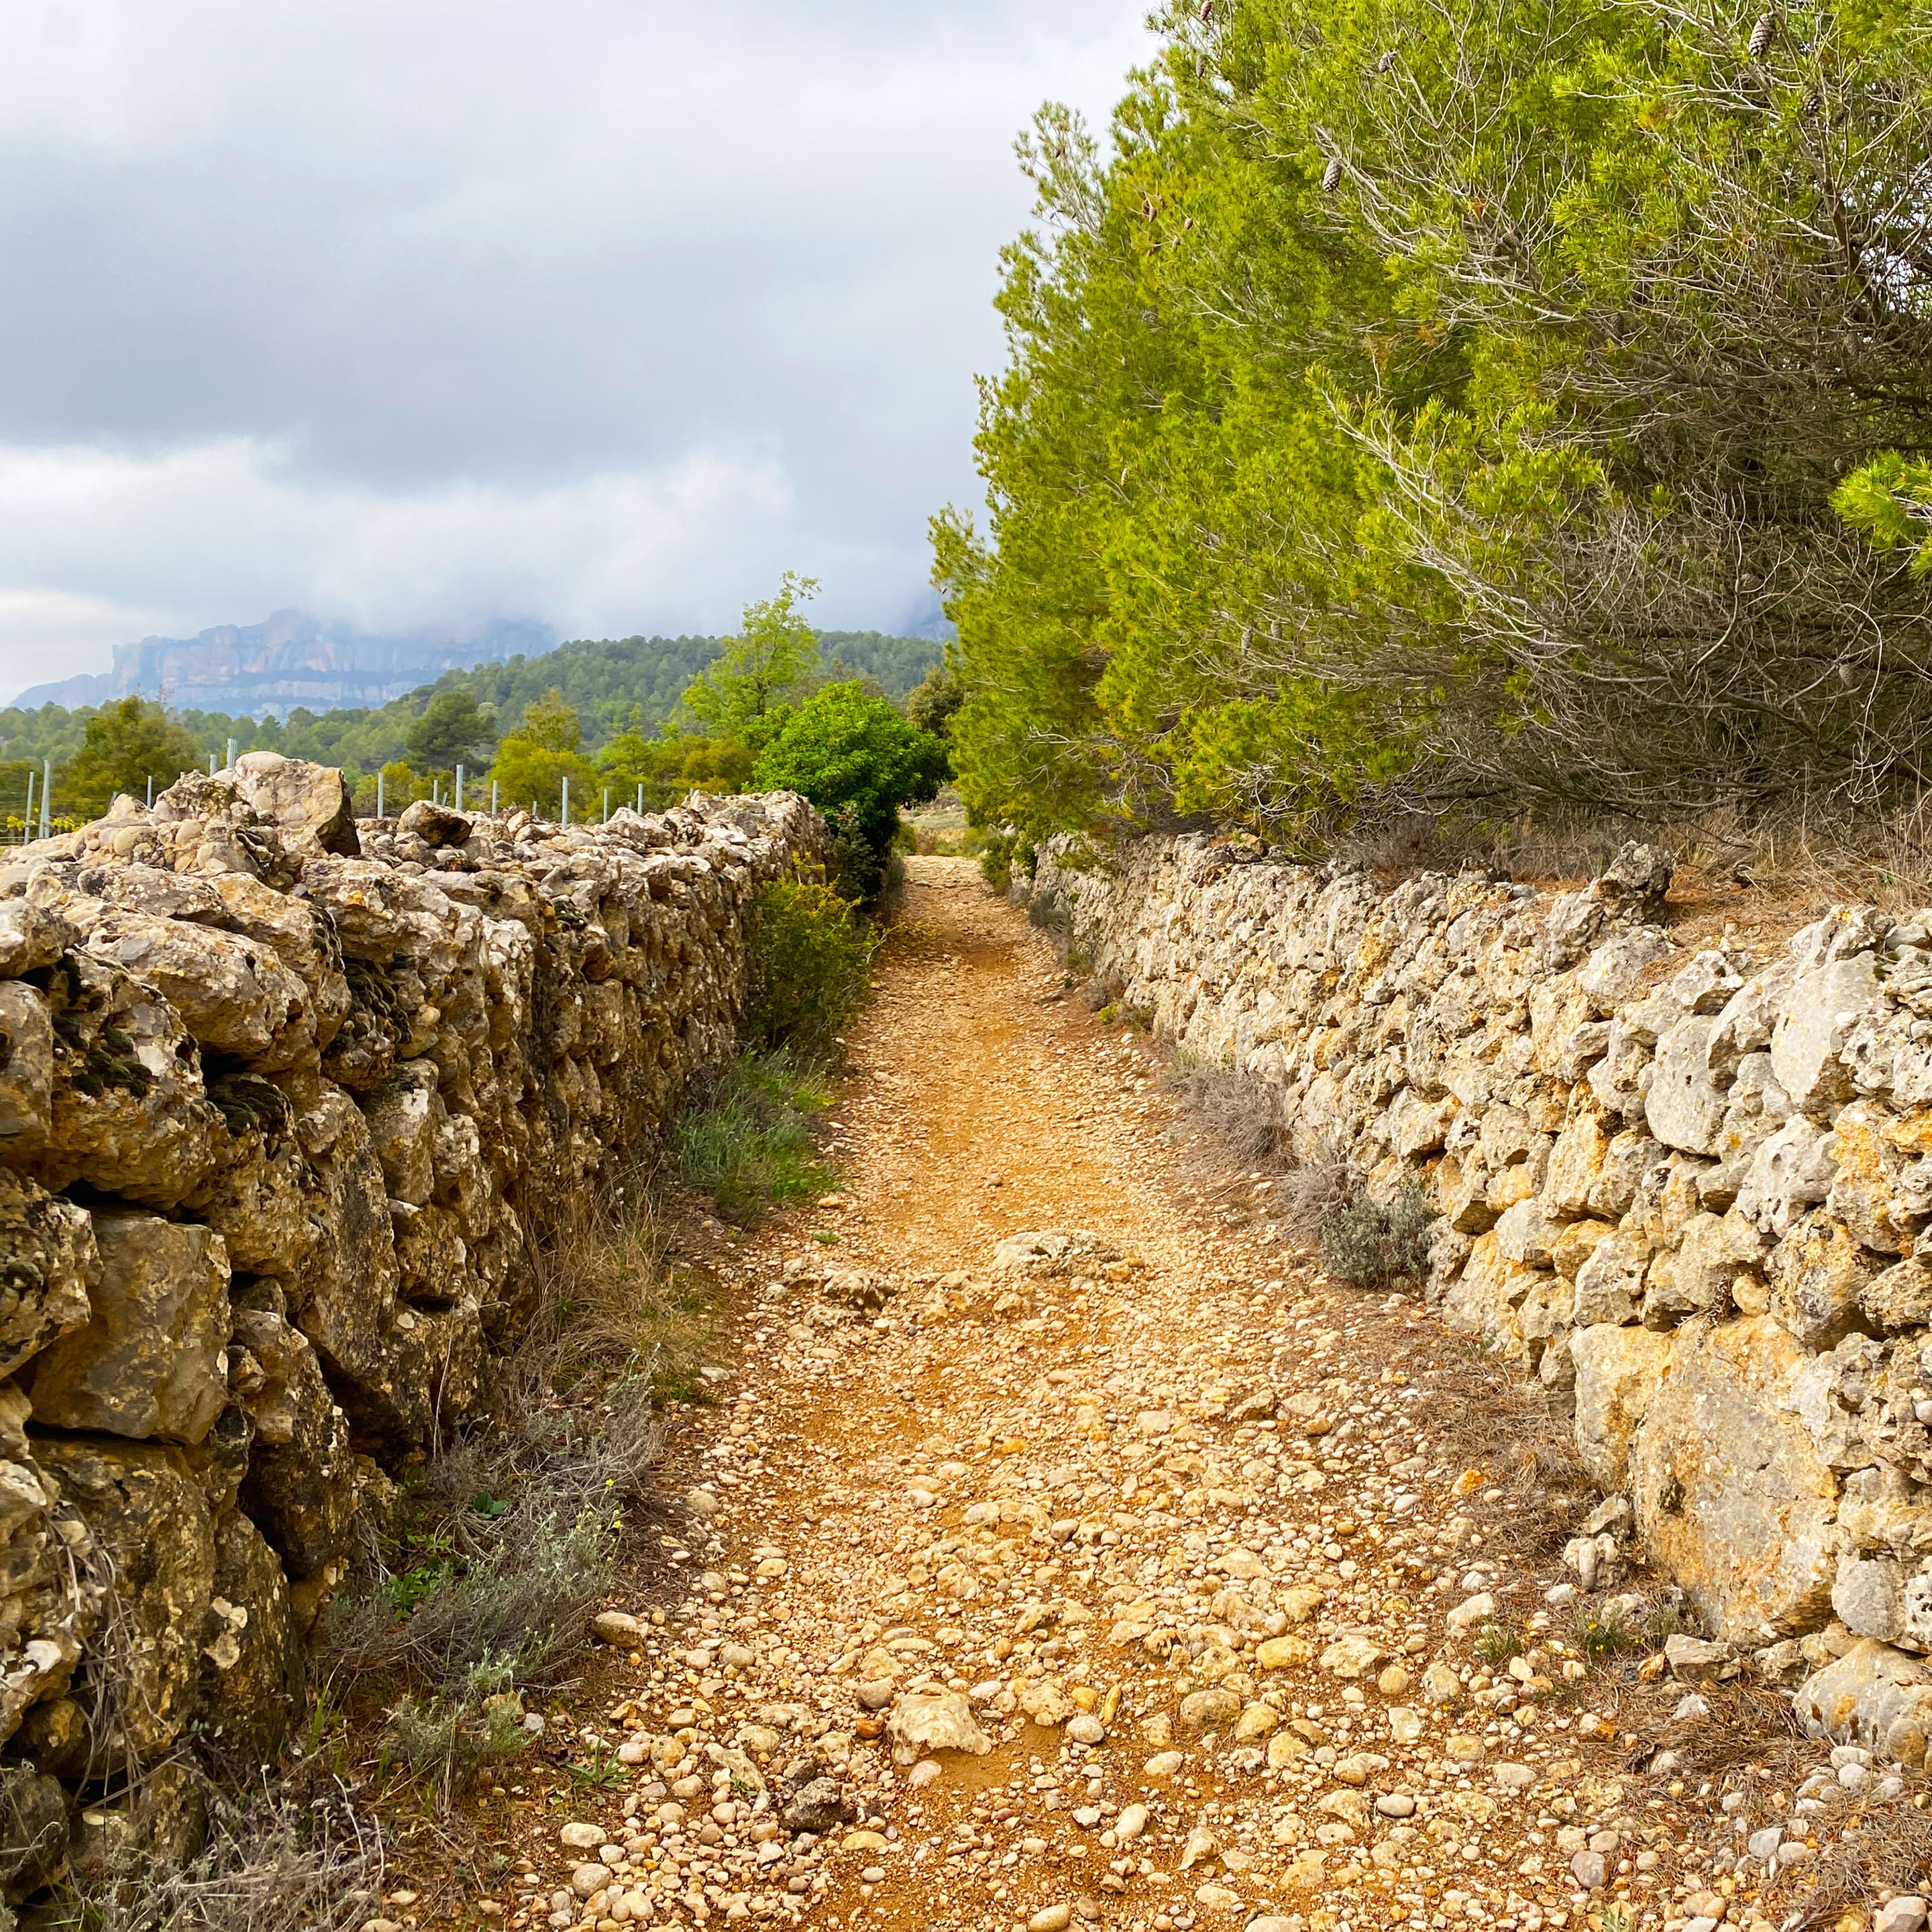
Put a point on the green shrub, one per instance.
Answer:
(810, 959)
(857, 865)
(1373, 1246)
(747, 1138)
(1003, 854)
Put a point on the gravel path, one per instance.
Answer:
(1125, 1576)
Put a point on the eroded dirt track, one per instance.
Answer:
(1165, 1531)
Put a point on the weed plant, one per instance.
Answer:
(1003, 854)
(1240, 1110)
(747, 1135)
(1497, 1643)
(508, 1540)
(610, 1298)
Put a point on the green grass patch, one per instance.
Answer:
(747, 1138)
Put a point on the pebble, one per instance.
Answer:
(617, 1628)
(1591, 1870)
(1051, 1918)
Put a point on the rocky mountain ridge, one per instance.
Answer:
(290, 659)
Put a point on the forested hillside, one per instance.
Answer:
(1462, 409)
(615, 686)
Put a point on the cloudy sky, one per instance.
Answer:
(600, 311)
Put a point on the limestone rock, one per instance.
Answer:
(1685, 1104)
(1791, 1170)
(1621, 1080)
(1636, 881)
(26, 1069)
(1819, 1276)
(1611, 973)
(1692, 1661)
(49, 1593)
(344, 1296)
(261, 1196)
(1696, 1277)
(131, 1116)
(141, 1502)
(1609, 1285)
(301, 1485)
(33, 1830)
(1807, 1046)
(1575, 1243)
(819, 1805)
(403, 1116)
(150, 1361)
(1484, 1296)
(309, 804)
(939, 1721)
(1618, 1372)
(1868, 1596)
(1732, 1499)
(437, 825)
(1874, 1696)
(1881, 1191)
(253, 1669)
(34, 928)
(235, 996)
(49, 1259)
(1576, 1163)
(1210, 1710)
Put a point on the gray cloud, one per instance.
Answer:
(603, 310)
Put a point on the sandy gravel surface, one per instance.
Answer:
(1135, 1581)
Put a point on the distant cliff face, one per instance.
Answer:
(290, 659)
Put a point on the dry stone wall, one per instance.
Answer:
(1689, 1190)
(286, 1102)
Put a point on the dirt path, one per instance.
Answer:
(1168, 1534)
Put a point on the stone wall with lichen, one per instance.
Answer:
(1689, 1190)
(286, 1102)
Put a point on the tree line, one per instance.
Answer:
(776, 706)
(1463, 407)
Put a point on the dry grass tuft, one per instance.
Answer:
(1320, 1186)
(1240, 1111)
(512, 1534)
(1801, 856)
(1749, 1723)
(280, 1863)
(1488, 1417)
(609, 1296)
(1890, 1851)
